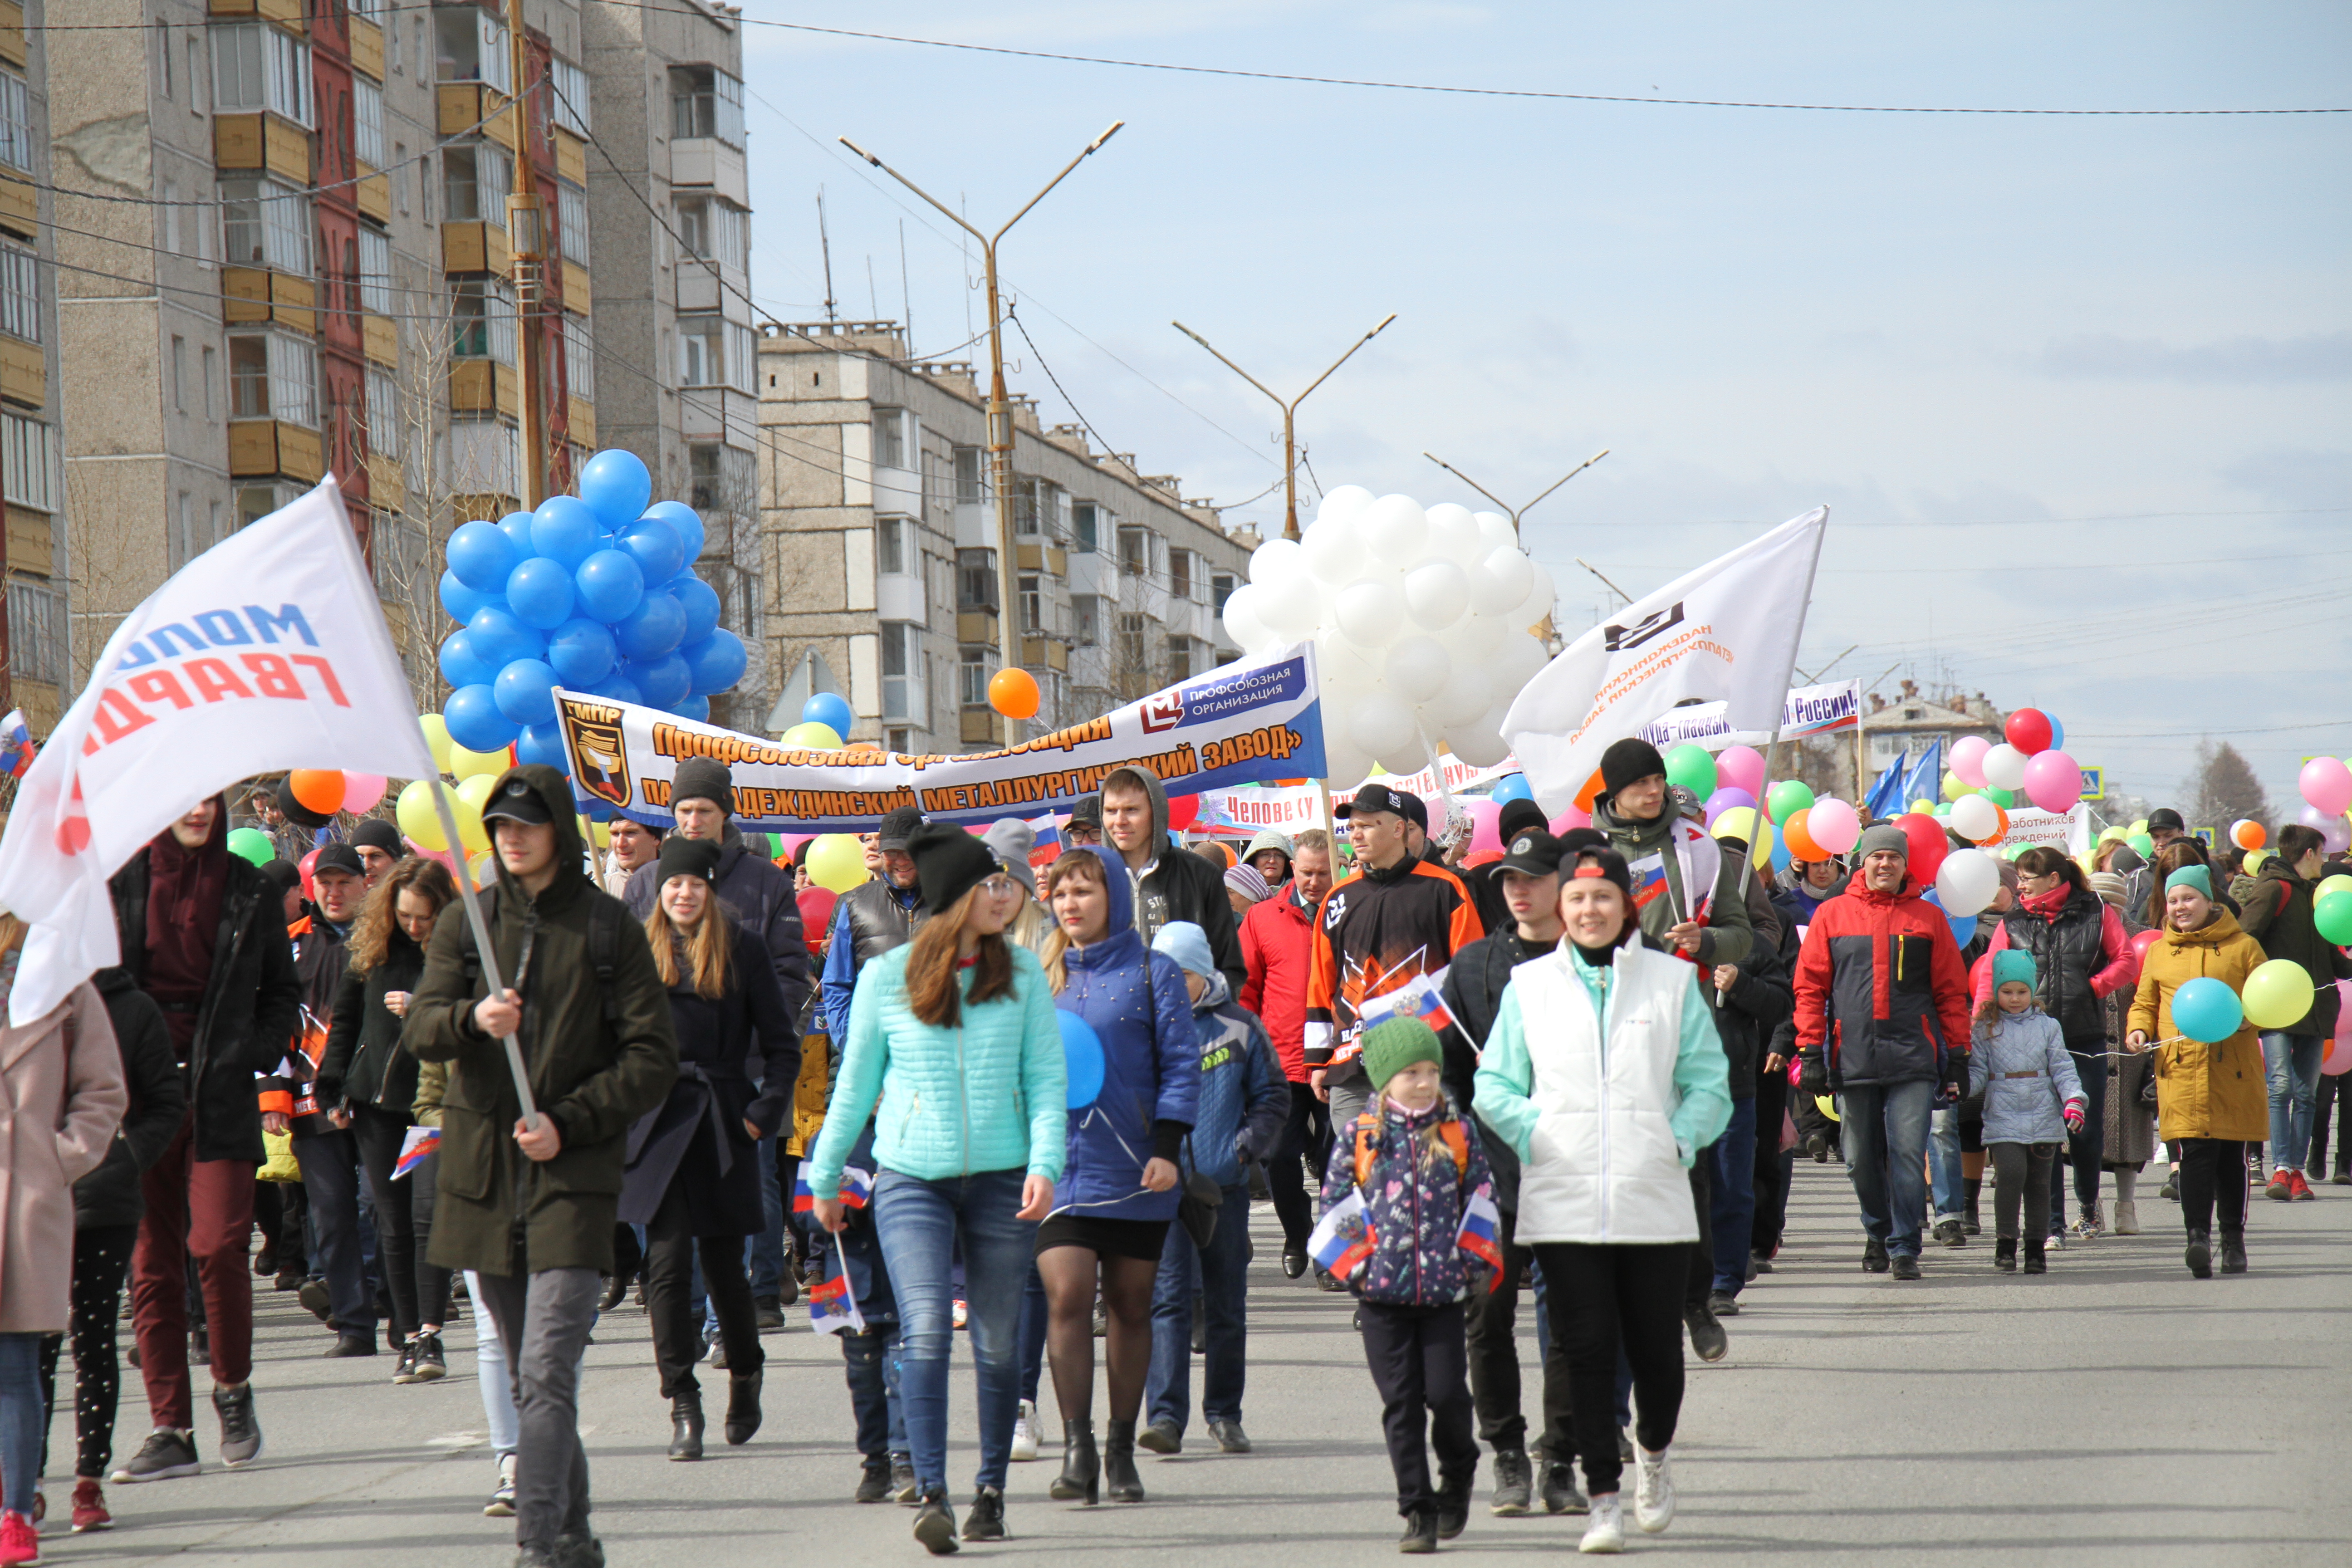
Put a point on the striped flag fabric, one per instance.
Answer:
(1481, 1233)
(1342, 1240)
(857, 1190)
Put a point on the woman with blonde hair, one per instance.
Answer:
(693, 1173)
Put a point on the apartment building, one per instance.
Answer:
(32, 619)
(881, 527)
(290, 246)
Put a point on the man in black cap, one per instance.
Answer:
(873, 917)
(1086, 824)
(1485, 882)
(754, 891)
(1527, 881)
(378, 845)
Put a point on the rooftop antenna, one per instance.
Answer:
(905, 299)
(824, 243)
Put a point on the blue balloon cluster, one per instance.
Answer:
(594, 592)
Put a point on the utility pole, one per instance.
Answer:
(528, 249)
(999, 407)
(1531, 505)
(1289, 446)
(825, 243)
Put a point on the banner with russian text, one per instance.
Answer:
(1290, 808)
(1810, 710)
(1233, 725)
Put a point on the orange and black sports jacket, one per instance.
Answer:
(1378, 930)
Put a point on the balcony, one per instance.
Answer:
(262, 142)
(707, 161)
(23, 377)
(475, 246)
(570, 157)
(1051, 653)
(1051, 558)
(373, 195)
(287, 12)
(19, 205)
(485, 386)
(976, 626)
(461, 104)
(576, 292)
(580, 418)
(250, 295)
(379, 340)
(981, 728)
(258, 448)
(367, 47)
(899, 596)
(387, 485)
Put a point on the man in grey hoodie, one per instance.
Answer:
(1170, 883)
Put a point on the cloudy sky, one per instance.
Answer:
(2075, 388)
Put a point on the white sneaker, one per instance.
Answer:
(1654, 1491)
(1024, 1432)
(1604, 1528)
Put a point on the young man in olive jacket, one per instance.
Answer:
(530, 1207)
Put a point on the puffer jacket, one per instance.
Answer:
(1880, 981)
(1419, 1171)
(2021, 1065)
(986, 1095)
(2203, 1092)
(1276, 937)
(2277, 906)
(2080, 958)
(1135, 1001)
(1243, 1097)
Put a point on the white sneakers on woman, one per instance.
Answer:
(1604, 1528)
(1654, 1491)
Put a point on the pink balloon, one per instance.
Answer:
(1741, 767)
(1968, 759)
(789, 844)
(443, 855)
(1572, 818)
(2339, 1056)
(1484, 839)
(2053, 781)
(2335, 832)
(2327, 784)
(1834, 825)
(361, 791)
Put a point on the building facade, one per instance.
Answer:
(33, 623)
(880, 535)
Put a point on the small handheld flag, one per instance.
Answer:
(417, 1145)
(857, 1190)
(1421, 997)
(1342, 1240)
(17, 748)
(1481, 1233)
(832, 1309)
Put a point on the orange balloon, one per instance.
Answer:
(1590, 792)
(2002, 811)
(320, 789)
(1800, 842)
(1014, 693)
(2249, 834)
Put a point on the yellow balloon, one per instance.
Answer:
(472, 795)
(418, 821)
(816, 737)
(837, 861)
(2254, 858)
(2278, 994)
(1952, 786)
(468, 764)
(596, 832)
(1829, 1106)
(479, 865)
(1923, 807)
(438, 741)
(2339, 883)
(2139, 826)
(1739, 822)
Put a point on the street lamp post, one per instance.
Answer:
(1531, 505)
(1289, 461)
(1000, 409)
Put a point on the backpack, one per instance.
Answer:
(1367, 1136)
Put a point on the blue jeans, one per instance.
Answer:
(496, 1382)
(871, 1362)
(1221, 1275)
(2291, 1063)
(1944, 1164)
(768, 1246)
(24, 1416)
(1884, 1134)
(918, 1224)
(1731, 1197)
(1032, 1334)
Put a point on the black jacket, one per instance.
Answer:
(760, 897)
(250, 1006)
(364, 1064)
(1473, 992)
(1757, 1003)
(1182, 886)
(109, 1195)
(2066, 953)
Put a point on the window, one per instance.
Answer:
(889, 438)
(375, 271)
(895, 551)
(369, 10)
(975, 579)
(15, 121)
(400, 179)
(485, 314)
(1033, 609)
(971, 475)
(367, 121)
(743, 353)
(398, 550)
(273, 377)
(164, 53)
(579, 358)
(264, 224)
(972, 673)
(1221, 588)
(186, 543)
(706, 101)
(571, 106)
(571, 223)
(212, 371)
(1135, 551)
(1179, 573)
(474, 183)
(382, 412)
(170, 216)
(714, 229)
(1180, 658)
(256, 67)
(179, 373)
(1087, 620)
(701, 350)
(195, 70)
(1085, 518)
(902, 656)
(29, 463)
(20, 293)
(1132, 632)
(724, 479)
(248, 378)
(470, 46)
(34, 648)
(256, 501)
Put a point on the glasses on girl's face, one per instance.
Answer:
(1000, 887)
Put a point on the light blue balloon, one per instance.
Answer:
(616, 686)
(525, 691)
(655, 627)
(830, 709)
(582, 652)
(615, 483)
(516, 525)
(543, 744)
(460, 666)
(483, 556)
(474, 720)
(2057, 732)
(609, 583)
(699, 600)
(1082, 1058)
(539, 592)
(717, 663)
(2207, 1010)
(656, 547)
(664, 680)
(686, 521)
(1964, 928)
(1511, 788)
(499, 637)
(460, 600)
(567, 530)
(694, 708)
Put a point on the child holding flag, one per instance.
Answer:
(2032, 1099)
(1405, 1198)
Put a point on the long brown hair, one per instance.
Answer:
(2171, 858)
(938, 957)
(709, 945)
(1087, 867)
(379, 916)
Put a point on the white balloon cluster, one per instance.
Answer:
(1421, 624)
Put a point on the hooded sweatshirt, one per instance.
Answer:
(1243, 1098)
(1680, 873)
(1177, 885)
(2277, 912)
(1134, 999)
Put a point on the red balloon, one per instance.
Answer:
(2143, 942)
(2028, 730)
(816, 909)
(1929, 844)
(304, 865)
(1184, 810)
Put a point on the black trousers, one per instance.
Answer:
(403, 1220)
(670, 1247)
(1700, 1282)
(2021, 1172)
(1604, 1300)
(2213, 1175)
(101, 1257)
(1421, 1367)
(1771, 1171)
(1306, 1135)
(1492, 1328)
(2334, 1095)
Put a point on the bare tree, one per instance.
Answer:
(2223, 789)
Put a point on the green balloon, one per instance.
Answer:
(2003, 798)
(2142, 846)
(252, 845)
(1692, 768)
(2014, 850)
(2333, 916)
(1789, 798)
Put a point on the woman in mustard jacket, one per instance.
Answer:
(2213, 1097)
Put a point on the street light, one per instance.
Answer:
(1289, 463)
(1531, 505)
(999, 410)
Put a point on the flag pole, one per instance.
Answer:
(489, 955)
(1780, 717)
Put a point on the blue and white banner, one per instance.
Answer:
(1810, 710)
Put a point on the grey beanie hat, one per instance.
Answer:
(1884, 836)
(1011, 840)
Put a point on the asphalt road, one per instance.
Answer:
(2116, 1411)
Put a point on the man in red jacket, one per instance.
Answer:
(1883, 1022)
(1275, 937)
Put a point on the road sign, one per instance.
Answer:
(2095, 783)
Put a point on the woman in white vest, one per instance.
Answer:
(1605, 1073)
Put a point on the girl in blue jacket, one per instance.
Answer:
(1118, 1191)
(2032, 1099)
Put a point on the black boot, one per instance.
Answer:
(1420, 1537)
(2037, 1257)
(2004, 1254)
(1119, 1462)
(2234, 1249)
(685, 1427)
(744, 1403)
(2201, 1252)
(1454, 1505)
(1975, 1185)
(1081, 1474)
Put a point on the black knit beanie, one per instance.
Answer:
(948, 863)
(704, 778)
(1627, 760)
(684, 857)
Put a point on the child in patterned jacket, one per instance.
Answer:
(1408, 1216)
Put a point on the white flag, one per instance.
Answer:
(1727, 631)
(268, 651)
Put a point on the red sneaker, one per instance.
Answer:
(90, 1508)
(18, 1541)
(2302, 1188)
(2281, 1186)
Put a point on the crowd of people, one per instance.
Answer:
(1035, 1098)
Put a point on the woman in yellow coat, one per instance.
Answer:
(2211, 1099)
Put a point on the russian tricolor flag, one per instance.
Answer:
(1481, 1233)
(1343, 1239)
(17, 748)
(1421, 997)
(856, 1189)
(415, 1146)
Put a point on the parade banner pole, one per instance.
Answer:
(482, 945)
